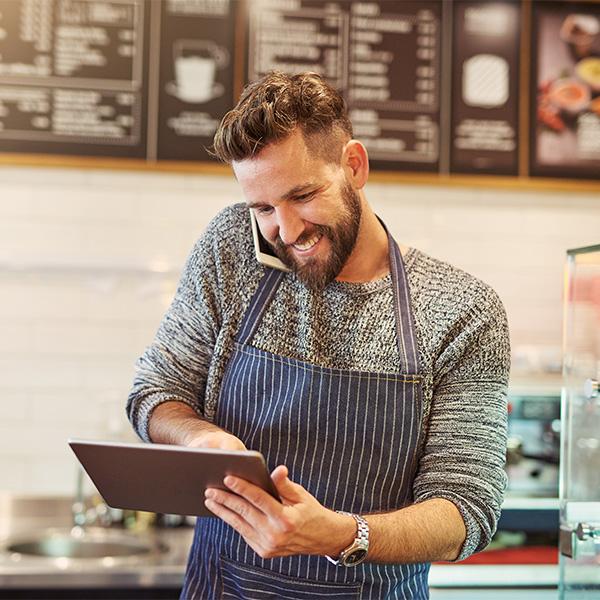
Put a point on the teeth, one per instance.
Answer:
(309, 244)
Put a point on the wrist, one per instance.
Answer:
(356, 552)
(342, 534)
(196, 433)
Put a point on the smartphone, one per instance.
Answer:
(264, 252)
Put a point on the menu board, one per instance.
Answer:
(431, 86)
(485, 88)
(196, 79)
(565, 123)
(383, 56)
(72, 77)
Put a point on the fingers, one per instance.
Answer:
(256, 496)
(279, 473)
(270, 527)
(260, 538)
(230, 509)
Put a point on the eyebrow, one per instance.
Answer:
(297, 190)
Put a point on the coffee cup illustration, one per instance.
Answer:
(196, 65)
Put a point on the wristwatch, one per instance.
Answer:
(357, 551)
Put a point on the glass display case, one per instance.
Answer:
(580, 436)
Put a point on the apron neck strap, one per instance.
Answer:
(260, 301)
(404, 318)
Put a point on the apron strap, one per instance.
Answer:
(260, 301)
(405, 322)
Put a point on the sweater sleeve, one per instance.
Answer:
(465, 443)
(175, 365)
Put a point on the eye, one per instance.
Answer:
(265, 210)
(305, 197)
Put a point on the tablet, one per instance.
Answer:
(165, 479)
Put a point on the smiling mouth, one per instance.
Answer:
(309, 243)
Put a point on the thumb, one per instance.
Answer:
(287, 489)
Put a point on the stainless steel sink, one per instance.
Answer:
(93, 543)
(40, 549)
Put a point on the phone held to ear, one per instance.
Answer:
(264, 252)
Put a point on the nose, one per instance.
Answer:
(290, 225)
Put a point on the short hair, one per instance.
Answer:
(270, 109)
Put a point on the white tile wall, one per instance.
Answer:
(78, 305)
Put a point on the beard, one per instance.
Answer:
(317, 273)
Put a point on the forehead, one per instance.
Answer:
(278, 168)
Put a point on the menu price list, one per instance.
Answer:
(485, 87)
(383, 56)
(71, 77)
(565, 84)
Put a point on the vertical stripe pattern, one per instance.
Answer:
(349, 437)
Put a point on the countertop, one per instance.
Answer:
(21, 517)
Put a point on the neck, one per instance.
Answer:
(370, 257)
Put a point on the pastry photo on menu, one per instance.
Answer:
(567, 111)
(485, 87)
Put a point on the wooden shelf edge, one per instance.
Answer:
(489, 181)
(392, 177)
(117, 164)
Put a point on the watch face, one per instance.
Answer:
(355, 558)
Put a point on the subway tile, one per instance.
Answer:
(76, 407)
(54, 475)
(15, 405)
(71, 336)
(84, 338)
(39, 372)
(16, 201)
(14, 470)
(218, 185)
(40, 438)
(37, 242)
(16, 336)
(34, 295)
(119, 373)
(134, 180)
(42, 177)
(58, 203)
(140, 300)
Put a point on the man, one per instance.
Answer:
(372, 377)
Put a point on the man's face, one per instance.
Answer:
(305, 208)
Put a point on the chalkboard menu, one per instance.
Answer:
(485, 88)
(565, 131)
(383, 56)
(72, 77)
(432, 86)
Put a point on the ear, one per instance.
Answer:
(355, 162)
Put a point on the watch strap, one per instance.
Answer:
(360, 543)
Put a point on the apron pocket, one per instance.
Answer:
(252, 583)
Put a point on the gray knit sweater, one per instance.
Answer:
(462, 337)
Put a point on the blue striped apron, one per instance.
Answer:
(349, 437)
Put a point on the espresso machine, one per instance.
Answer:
(533, 445)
